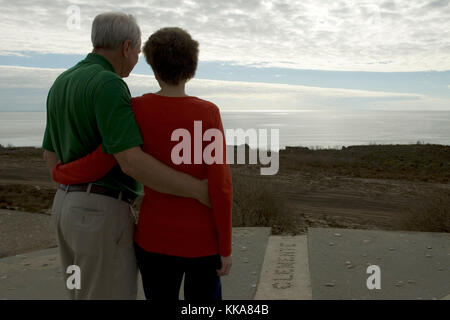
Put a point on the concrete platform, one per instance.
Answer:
(327, 263)
(249, 248)
(413, 265)
(38, 275)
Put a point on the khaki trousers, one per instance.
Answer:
(95, 233)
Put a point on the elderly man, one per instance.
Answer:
(87, 105)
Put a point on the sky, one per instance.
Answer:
(254, 55)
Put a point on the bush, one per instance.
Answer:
(258, 204)
(430, 213)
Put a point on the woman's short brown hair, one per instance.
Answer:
(172, 54)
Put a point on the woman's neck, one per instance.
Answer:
(173, 91)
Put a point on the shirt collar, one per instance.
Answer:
(99, 59)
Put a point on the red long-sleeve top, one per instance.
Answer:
(170, 224)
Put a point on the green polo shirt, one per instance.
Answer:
(88, 105)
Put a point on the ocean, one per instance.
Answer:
(311, 128)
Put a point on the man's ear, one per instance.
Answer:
(126, 47)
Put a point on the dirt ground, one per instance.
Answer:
(315, 195)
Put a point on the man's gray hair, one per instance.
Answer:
(111, 29)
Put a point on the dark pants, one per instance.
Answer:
(162, 275)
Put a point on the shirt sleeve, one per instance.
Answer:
(115, 118)
(90, 168)
(221, 193)
(47, 143)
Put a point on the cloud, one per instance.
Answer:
(25, 89)
(392, 35)
(437, 4)
(25, 77)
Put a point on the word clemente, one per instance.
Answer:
(182, 153)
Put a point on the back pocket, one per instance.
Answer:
(87, 219)
(88, 228)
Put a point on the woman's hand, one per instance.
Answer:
(226, 266)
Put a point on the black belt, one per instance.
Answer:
(95, 188)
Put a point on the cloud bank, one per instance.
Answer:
(25, 89)
(388, 35)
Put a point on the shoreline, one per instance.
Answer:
(334, 128)
(315, 147)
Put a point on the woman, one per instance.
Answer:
(175, 236)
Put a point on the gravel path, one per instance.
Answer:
(24, 232)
